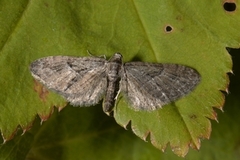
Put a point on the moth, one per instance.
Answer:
(84, 81)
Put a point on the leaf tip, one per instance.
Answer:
(180, 151)
(9, 137)
(27, 127)
(45, 117)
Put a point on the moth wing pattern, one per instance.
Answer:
(149, 86)
(82, 81)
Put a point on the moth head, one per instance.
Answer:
(117, 57)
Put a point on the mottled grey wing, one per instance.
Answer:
(149, 86)
(82, 81)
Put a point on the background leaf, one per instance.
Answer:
(34, 29)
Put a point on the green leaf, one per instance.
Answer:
(138, 29)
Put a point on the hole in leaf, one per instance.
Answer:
(229, 6)
(168, 28)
